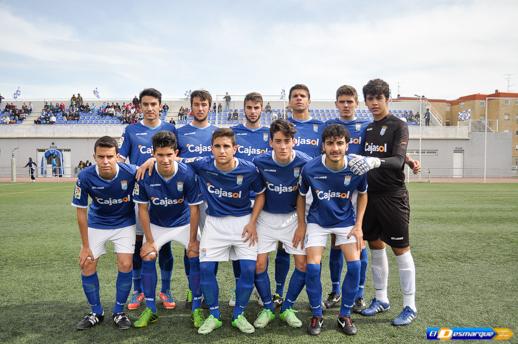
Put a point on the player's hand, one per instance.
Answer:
(85, 255)
(148, 249)
(194, 247)
(360, 165)
(298, 237)
(358, 234)
(146, 166)
(250, 234)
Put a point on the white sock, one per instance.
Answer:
(407, 279)
(380, 272)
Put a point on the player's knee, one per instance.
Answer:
(300, 264)
(89, 267)
(260, 266)
(400, 250)
(376, 245)
(125, 265)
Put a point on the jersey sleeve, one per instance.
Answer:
(258, 184)
(192, 189)
(139, 193)
(362, 186)
(80, 198)
(303, 183)
(125, 145)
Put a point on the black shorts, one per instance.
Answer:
(387, 217)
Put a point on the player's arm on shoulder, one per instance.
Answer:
(124, 146)
(147, 166)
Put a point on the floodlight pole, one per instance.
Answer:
(13, 166)
(485, 136)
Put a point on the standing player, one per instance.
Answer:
(388, 212)
(168, 203)
(194, 140)
(111, 217)
(252, 140)
(136, 147)
(307, 140)
(230, 227)
(346, 103)
(332, 184)
(277, 223)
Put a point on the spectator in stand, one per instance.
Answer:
(214, 107)
(235, 115)
(73, 100)
(427, 116)
(172, 121)
(165, 108)
(135, 101)
(220, 108)
(79, 100)
(52, 119)
(1, 98)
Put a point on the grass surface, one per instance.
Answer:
(464, 241)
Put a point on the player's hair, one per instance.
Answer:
(283, 126)
(164, 139)
(346, 90)
(202, 94)
(224, 132)
(106, 142)
(335, 130)
(255, 97)
(376, 87)
(152, 92)
(299, 87)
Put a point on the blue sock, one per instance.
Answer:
(236, 267)
(364, 259)
(209, 287)
(123, 288)
(137, 267)
(149, 280)
(244, 287)
(297, 281)
(91, 289)
(186, 265)
(165, 261)
(314, 289)
(350, 287)
(282, 267)
(262, 284)
(336, 264)
(194, 282)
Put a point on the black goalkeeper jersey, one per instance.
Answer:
(387, 139)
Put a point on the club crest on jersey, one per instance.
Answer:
(121, 141)
(357, 126)
(239, 179)
(124, 184)
(296, 172)
(265, 137)
(383, 130)
(179, 186)
(315, 128)
(136, 190)
(347, 180)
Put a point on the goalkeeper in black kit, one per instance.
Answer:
(386, 220)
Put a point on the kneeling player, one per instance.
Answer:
(277, 222)
(111, 217)
(332, 185)
(167, 200)
(230, 227)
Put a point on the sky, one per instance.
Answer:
(439, 49)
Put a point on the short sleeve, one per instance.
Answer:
(257, 184)
(80, 198)
(125, 144)
(139, 193)
(192, 189)
(303, 183)
(362, 186)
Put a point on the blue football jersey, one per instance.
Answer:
(111, 206)
(357, 129)
(251, 142)
(227, 193)
(137, 143)
(281, 181)
(308, 136)
(332, 192)
(169, 199)
(195, 142)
